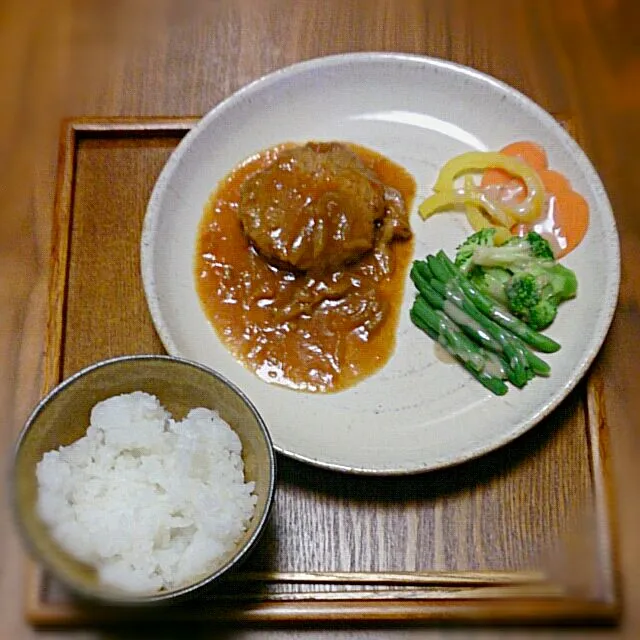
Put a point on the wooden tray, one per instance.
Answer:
(524, 534)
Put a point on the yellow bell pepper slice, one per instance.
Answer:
(461, 198)
(476, 218)
(501, 236)
(528, 210)
(479, 221)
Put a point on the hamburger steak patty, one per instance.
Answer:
(318, 207)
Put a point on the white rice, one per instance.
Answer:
(151, 503)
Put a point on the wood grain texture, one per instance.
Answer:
(472, 533)
(95, 58)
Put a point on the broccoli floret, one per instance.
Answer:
(563, 282)
(542, 315)
(521, 274)
(528, 298)
(534, 294)
(514, 253)
(491, 282)
(482, 238)
(523, 290)
(535, 244)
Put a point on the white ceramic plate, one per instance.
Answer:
(417, 413)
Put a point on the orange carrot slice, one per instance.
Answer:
(554, 181)
(533, 154)
(570, 220)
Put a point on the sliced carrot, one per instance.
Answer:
(567, 218)
(533, 154)
(553, 181)
(497, 177)
(571, 219)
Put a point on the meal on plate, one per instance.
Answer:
(300, 262)
(151, 503)
(487, 306)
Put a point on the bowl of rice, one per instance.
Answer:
(143, 479)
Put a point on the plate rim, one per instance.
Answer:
(614, 272)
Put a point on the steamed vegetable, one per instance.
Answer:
(505, 284)
(446, 270)
(513, 190)
(458, 198)
(450, 299)
(505, 213)
(566, 213)
(521, 274)
(472, 328)
(485, 367)
(483, 251)
(482, 238)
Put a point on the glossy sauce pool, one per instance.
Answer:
(255, 308)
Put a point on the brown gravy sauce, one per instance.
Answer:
(252, 305)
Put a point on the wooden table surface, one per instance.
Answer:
(577, 57)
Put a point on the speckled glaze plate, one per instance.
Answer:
(418, 412)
